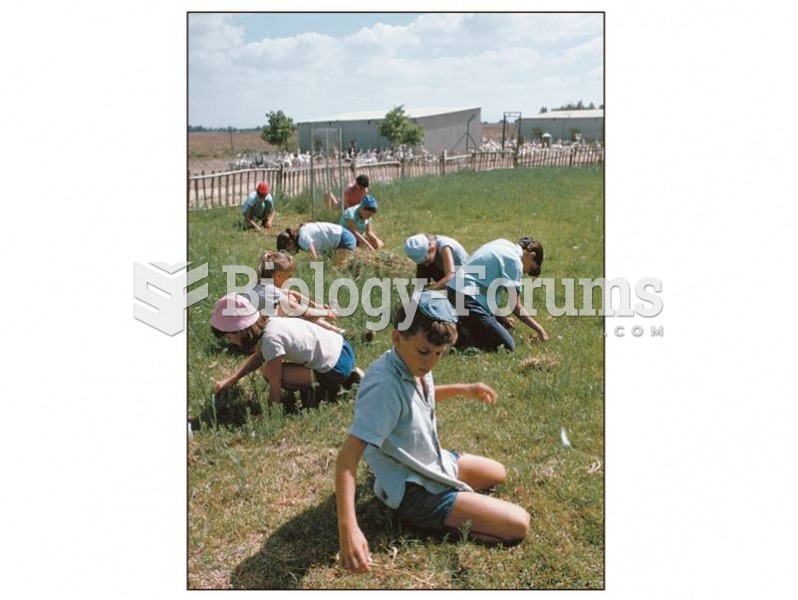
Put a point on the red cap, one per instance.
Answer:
(263, 188)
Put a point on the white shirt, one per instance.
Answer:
(323, 236)
(301, 342)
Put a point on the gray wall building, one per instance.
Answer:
(559, 124)
(455, 130)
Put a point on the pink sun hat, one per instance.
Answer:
(240, 315)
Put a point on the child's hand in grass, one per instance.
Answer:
(482, 392)
(223, 384)
(354, 550)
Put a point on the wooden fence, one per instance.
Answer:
(229, 188)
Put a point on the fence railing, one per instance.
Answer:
(229, 188)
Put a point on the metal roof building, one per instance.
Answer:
(560, 124)
(453, 129)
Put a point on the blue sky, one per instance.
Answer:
(311, 65)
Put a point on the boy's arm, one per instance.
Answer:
(354, 548)
(476, 391)
(248, 218)
(350, 225)
(448, 269)
(253, 362)
(274, 375)
(527, 320)
(312, 310)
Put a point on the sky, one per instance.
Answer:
(242, 66)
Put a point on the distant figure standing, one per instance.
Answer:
(355, 191)
(259, 206)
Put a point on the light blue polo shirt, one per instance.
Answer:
(398, 423)
(459, 255)
(500, 259)
(260, 208)
(351, 214)
(323, 236)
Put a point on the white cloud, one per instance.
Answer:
(488, 60)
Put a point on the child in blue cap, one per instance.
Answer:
(394, 429)
(437, 257)
(357, 219)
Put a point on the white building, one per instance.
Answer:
(562, 123)
(455, 130)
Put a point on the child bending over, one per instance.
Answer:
(274, 269)
(292, 352)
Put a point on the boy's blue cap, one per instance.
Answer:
(435, 305)
(416, 247)
(369, 202)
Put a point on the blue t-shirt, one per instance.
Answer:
(261, 207)
(459, 255)
(498, 259)
(352, 214)
(397, 421)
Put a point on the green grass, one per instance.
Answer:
(261, 484)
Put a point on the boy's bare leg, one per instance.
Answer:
(480, 472)
(491, 519)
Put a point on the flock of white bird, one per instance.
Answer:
(299, 160)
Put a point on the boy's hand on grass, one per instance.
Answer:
(482, 392)
(222, 385)
(354, 554)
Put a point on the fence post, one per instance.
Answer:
(443, 162)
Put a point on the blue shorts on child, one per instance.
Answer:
(342, 369)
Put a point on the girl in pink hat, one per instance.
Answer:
(289, 352)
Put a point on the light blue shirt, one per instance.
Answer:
(351, 214)
(261, 208)
(500, 259)
(397, 421)
(323, 236)
(459, 255)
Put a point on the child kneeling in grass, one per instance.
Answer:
(296, 352)
(395, 431)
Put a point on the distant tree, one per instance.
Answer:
(543, 109)
(278, 129)
(397, 128)
(578, 106)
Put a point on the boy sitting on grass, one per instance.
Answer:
(430, 488)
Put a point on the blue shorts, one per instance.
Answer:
(424, 510)
(348, 240)
(342, 369)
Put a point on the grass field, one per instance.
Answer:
(261, 485)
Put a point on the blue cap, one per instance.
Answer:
(435, 305)
(416, 247)
(369, 202)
